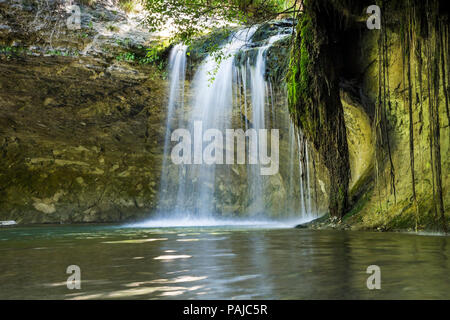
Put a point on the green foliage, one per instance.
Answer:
(7, 51)
(218, 57)
(152, 55)
(145, 56)
(210, 44)
(190, 18)
(127, 5)
(126, 56)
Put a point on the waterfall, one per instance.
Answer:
(177, 74)
(236, 93)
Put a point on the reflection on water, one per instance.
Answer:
(232, 262)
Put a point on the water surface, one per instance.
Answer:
(219, 262)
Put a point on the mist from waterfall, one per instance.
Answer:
(236, 93)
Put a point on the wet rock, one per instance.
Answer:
(7, 223)
(272, 28)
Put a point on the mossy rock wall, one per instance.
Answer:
(373, 66)
(78, 144)
(383, 210)
(81, 133)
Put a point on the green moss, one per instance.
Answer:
(313, 88)
(300, 75)
(292, 84)
(358, 207)
(306, 35)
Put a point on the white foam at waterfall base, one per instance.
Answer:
(187, 221)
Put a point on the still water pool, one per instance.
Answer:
(219, 262)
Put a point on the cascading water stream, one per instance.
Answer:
(213, 105)
(177, 74)
(234, 94)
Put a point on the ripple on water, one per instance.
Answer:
(135, 240)
(172, 257)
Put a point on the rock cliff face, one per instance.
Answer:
(83, 111)
(81, 129)
(394, 91)
(390, 203)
